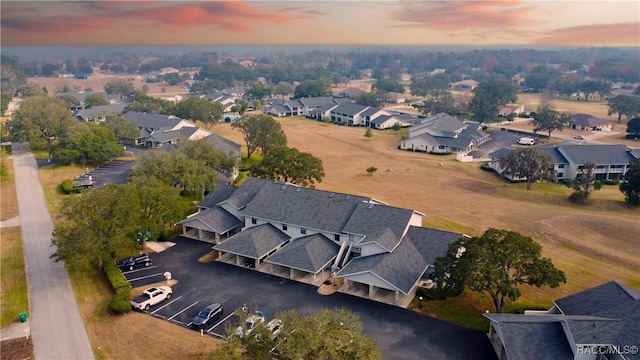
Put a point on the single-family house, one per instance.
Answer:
(227, 100)
(381, 252)
(601, 323)
(611, 161)
(444, 134)
(395, 97)
(351, 92)
(588, 122)
(159, 129)
(507, 110)
(464, 85)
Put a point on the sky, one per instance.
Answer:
(567, 23)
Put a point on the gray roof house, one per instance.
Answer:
(99, 113)
(303, 106)
(612, 161)
(599, 323)
(443, 134)
(588, 122)
(381, 252)
(349, 114)
(157, 129)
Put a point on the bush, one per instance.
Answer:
(579, 197)
(114, 275)
(121, 301)
(67, 187)
(611, 182)
(485, 166)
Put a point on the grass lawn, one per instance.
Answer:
(14, 296)
(592, 243)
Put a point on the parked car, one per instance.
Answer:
(133, 262)
(150, 297)
(250, 324)
(84, 184)
(526, 141)
(579, 137)
(209, 313)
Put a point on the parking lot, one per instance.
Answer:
(399, 333)
(500, 140)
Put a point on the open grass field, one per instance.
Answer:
(593, 244)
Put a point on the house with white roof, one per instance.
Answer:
(381, 252)
(444, 134)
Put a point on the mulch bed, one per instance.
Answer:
(17, 349)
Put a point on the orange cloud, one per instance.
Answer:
(29, 25)
(621, 34)
(462, 15)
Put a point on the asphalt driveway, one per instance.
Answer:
(500, 140)
(399, 333)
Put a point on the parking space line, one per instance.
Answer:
(171, 302)
(176, 321)
(144, 277)
(137, 270)
(221, 321)
(159, 316)
(183, 310)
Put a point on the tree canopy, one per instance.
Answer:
(626, 105)
(41, 121)
(152, 105)
(528, 163)
(87, 142)
(633, 127)
(489, 95)
(329, 334)
(122, 128)
(547, 119)
(95, 100)
(120, 87)
(584, 183)
(388, 85)
(260, 132)
(199, 109)
(367, 99)
(283, 88)
(497, 263)
(289, 165)
(313, 88)
(259, 90)
(630, 185)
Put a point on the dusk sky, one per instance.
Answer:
(494, 22)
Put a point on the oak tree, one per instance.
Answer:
(527, 163)
(630, 184)
(289, 165)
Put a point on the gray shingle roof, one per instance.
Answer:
(254, 242)
(610, 300)
(370, 111)
(349, 108)
(245, 193)
(532, 337)
(152, 121)
(221, 193)
(98, 111)
(223, 144)
(216, 219)
(431, 243)
(598, 154)
(586, 120)
(310, 208)
(401, 269)
(164, 136)
(440, 123)
(381, 224)
(310, 253)
(317, 101)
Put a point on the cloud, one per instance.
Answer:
(620, 34)
(462, 15)
(155, 16)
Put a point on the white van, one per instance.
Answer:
(526, 141)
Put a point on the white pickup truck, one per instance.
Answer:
(150, 297)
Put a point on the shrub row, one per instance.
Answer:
(120, 302)
(67, 187)
(485, 166)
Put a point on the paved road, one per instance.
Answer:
(56, 325)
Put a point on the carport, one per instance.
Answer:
(213, 225)
(253, 244)
(307, 259)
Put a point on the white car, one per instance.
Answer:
(251, 322)
(526, 141)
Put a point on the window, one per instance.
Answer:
(303, 231)
(284, 227)
(336, 237)
(351, 237)
(254, 221)
(560, 166)
(560, 175)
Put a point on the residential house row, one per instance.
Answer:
(381, 252)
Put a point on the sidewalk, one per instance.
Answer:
(16, 330)
(10, 222)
